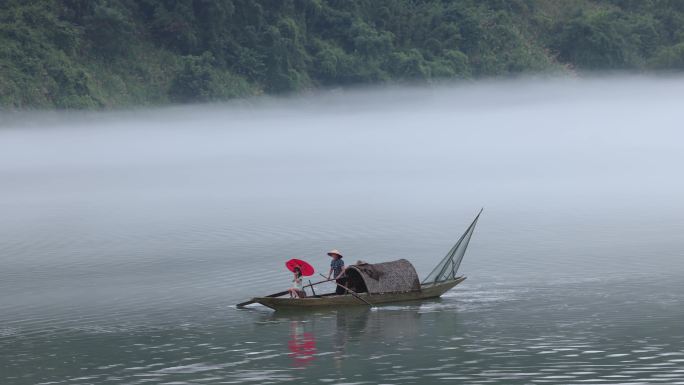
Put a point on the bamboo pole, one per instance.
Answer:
(352, 292)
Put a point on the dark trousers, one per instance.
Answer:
(339, 289)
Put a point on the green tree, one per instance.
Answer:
(196, 81)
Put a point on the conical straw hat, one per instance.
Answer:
(335, 252)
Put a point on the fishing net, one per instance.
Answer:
(447, 268)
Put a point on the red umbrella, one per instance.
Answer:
(303, 266)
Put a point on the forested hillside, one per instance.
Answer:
(107, 53)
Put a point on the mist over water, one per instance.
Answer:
(126, 237)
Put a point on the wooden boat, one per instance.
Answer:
(332, 300)
(381, 283)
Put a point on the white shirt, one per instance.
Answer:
(297, 283)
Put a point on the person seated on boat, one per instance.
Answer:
(337, 270)
(297, 289)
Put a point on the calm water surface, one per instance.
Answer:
(126, 238)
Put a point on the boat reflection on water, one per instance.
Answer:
(349, 324)
(315, 335)
(302, 344)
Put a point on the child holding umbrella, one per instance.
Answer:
(298, 268)
(297, 289)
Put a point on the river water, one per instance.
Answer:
(127, 237)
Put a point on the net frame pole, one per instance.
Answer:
(444, 263)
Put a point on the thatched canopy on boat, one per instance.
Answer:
(385, 277)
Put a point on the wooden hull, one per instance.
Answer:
(425, 292)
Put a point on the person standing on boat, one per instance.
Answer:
(337, 270)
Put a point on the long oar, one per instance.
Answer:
(352, 292)
(251, 301)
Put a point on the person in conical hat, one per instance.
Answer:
(337, 270)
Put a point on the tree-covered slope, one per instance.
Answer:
(101, 53)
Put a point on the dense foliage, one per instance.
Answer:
(100, 53)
